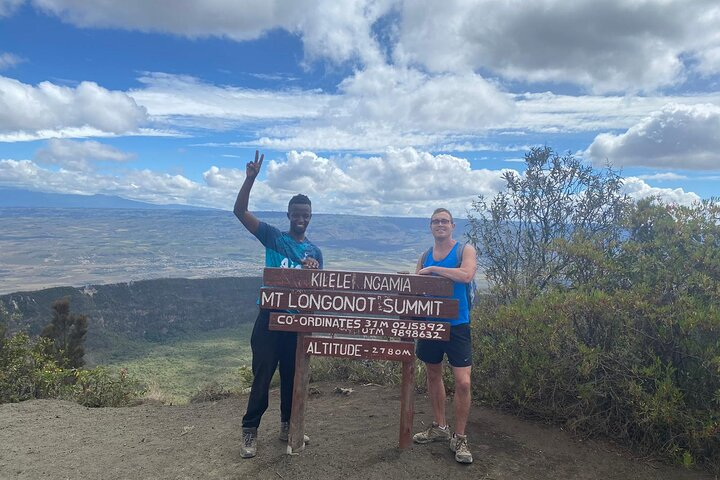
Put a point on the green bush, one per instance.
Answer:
(633, 354)
(28, 370)
(100, 387)
(609, 364)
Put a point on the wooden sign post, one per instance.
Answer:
(328, 302)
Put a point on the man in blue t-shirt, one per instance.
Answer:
(271, 348)
(449, 259)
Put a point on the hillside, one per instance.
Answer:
(150, 310)
(353, 437)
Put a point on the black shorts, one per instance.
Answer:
(458, 348)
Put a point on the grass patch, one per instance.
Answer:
(175, 371)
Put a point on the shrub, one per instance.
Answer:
(611, 364)
(28, 370)
(100, 387)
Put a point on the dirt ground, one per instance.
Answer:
(352, 436)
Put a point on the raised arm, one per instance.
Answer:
(463, 274)
(249, 220)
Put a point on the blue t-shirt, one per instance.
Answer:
(452, 260)
(281, 250)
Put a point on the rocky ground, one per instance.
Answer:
(352, 436)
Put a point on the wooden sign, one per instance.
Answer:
(362, 303)
(315, 301)
(369, 326)
(358, 348)
(358, 281)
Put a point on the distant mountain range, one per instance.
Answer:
(20, 198)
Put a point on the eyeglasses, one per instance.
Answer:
(440, 221)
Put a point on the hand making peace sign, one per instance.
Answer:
(253, 168)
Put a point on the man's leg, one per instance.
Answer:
(287, 373)
(462, 398)
(264, 363)
(438, 431)
(460, 358)
(436, 392)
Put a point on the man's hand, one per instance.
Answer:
(253, 168)
(427, 270)
(310, 262)
(241, 203)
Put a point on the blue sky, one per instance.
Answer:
(370, 107)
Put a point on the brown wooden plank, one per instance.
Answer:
(407, 403)
(362, 303)
(359, 348)
(296, 435)
(358, 281)
(368, 326)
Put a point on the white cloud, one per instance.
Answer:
(83, 132)
(143, 185)
(411, 99)
(76, 156)
(384, 105)
(638, 189)
(663, 177)
(26, 108)
(677, 136)
(614, 45)
(709, 61)
(8, 7)
(8, 60)
(400, 182)
(167, 95)
(338, 31)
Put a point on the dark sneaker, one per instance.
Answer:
(459, 445)
(249, 446)
(432, 434)
(285, 431)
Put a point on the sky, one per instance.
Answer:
(371, 107)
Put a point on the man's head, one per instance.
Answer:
(442, 224)
(299, 213)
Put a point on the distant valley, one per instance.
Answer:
(47, 247)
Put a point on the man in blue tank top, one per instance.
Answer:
(447, 259)
(271, 348)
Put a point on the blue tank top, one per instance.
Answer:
(459, 288)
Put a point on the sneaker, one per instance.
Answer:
(432, 434)
(459, 445)
(285, 431)
(249, 447)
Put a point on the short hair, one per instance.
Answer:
(299, 199)
(441, 210)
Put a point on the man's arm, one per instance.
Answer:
(419, 265)
(463, 274)
(249, 220)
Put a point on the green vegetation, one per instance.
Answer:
(612, 331)
(28, 370)
(177, 370)
(519, 234)
(66, 334)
